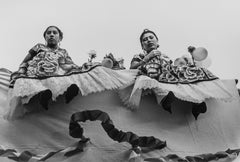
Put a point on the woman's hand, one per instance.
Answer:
(16, 74)
(69, 67)
(151, 55)
(21, 71)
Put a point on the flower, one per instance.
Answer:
(120, 60)
(92, 54)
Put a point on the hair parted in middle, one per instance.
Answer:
(60, 32)
(147, 31)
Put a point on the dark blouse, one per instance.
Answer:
(44, 61)
(162, 69)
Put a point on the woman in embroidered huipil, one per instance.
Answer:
(47, 60)
(186, 82)
(48, 72)
(44, 60)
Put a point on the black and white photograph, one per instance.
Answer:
(119, 81)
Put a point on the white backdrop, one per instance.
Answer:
(115, 26)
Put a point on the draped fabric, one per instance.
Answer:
(196, 93)
(139, 145)
(94, 79)
(50, 73)
(187, 82)
(76, 131)
(166, 94)
(91, 79)
(69, 153)
(44, 135)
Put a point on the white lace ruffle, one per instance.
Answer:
(196, 92)
(96, 80)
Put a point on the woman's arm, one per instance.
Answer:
(137, 61)
(23, 67)
(67, 63)
(32, 52)
(136, 64)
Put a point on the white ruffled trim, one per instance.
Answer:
(196, 92)
(96, 80)
(124, 95)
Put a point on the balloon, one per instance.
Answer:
(199, 54)
(107, 62)
(205, 63)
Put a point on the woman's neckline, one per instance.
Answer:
(53, 49)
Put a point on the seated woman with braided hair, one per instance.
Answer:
(167, 81)
(48, 71)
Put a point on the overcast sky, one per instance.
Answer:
(115, 26)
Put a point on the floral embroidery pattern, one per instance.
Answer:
(49, 62)
(44, 64)
(162, 69)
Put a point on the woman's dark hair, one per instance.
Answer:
(146, 31)
(60, 32)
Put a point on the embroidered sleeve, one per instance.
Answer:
(66, 58)
(32, 52)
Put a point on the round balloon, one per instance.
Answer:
(199, 54)
(206, 63)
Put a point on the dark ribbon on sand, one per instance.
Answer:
(145, 143)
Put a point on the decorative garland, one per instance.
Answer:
(27, 156)
(143, 144)
(228, 155)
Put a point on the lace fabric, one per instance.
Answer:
(195, 92)
(96, 80)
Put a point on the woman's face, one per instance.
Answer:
(149, 42)
(52, 36)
